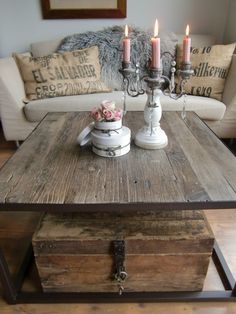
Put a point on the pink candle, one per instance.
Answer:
(186, 46)
(156, 48)
(126, 46)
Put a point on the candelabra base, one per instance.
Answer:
(151, 138)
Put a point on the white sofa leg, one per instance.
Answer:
(17, 144)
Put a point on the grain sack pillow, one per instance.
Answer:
(69, 73)
(211, 66)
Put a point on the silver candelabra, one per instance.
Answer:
(151, 135)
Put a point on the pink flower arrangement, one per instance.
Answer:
(106, 112)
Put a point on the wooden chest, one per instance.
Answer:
(162, 251)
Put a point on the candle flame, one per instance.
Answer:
(126, 30)
(156, 28)
(187, 30)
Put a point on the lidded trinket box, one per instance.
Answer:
(106, 134)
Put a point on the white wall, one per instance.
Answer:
(230, 30)
(21, 22)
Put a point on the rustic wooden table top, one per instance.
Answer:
(195, 170)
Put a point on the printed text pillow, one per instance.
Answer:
(70, 73)
(211, 66)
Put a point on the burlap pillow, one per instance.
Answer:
(211, 66)
(70, 73)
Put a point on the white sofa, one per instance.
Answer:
(19, 119)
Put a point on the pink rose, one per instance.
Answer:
(108, 114)
(107, 104)
(96, 114)
(118, 114)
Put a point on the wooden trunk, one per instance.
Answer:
(164, 251)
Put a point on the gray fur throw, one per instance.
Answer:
(109, 42)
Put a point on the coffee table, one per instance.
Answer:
(50, 172)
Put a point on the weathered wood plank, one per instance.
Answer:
(219, 152)
(185, 176)
(223, 221)
(79, 233)
(37, 172)
(146, 272)
(26, 162)
(50, 168)
(207, 170)
(75, 252)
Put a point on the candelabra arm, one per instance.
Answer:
(184, 73)
(170, 92)
(129, 73)
(151, 135)
(124, 88)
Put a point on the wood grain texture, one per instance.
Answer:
(146, 273)
(143, 233)
(163, 252)
(223, 224)
(50, 168)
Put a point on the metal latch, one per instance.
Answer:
(120, 274)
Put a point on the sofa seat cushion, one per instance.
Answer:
(37, 109)
(206, 108)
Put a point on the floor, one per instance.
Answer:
(223, 224)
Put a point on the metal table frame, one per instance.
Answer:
(14, 294)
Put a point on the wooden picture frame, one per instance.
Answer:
(51, 11)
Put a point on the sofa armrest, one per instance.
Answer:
(11, 79)
(12, 93)
(229, 95)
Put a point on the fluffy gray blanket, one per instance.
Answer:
(109, 42)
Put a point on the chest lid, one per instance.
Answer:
(144, 233)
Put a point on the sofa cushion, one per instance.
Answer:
(44, 48)
(229, 95)
(209, 109)
(109, 42)
(54, 75)
(211, 65)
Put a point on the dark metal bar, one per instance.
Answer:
(79, 297)
(9, 290)
(12, 297)
(117, 207)
(222, 268)
(13, 294)
(234, 290)
(19, 279)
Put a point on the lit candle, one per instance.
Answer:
(126, 46)
(186, 46)
(156, 48)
